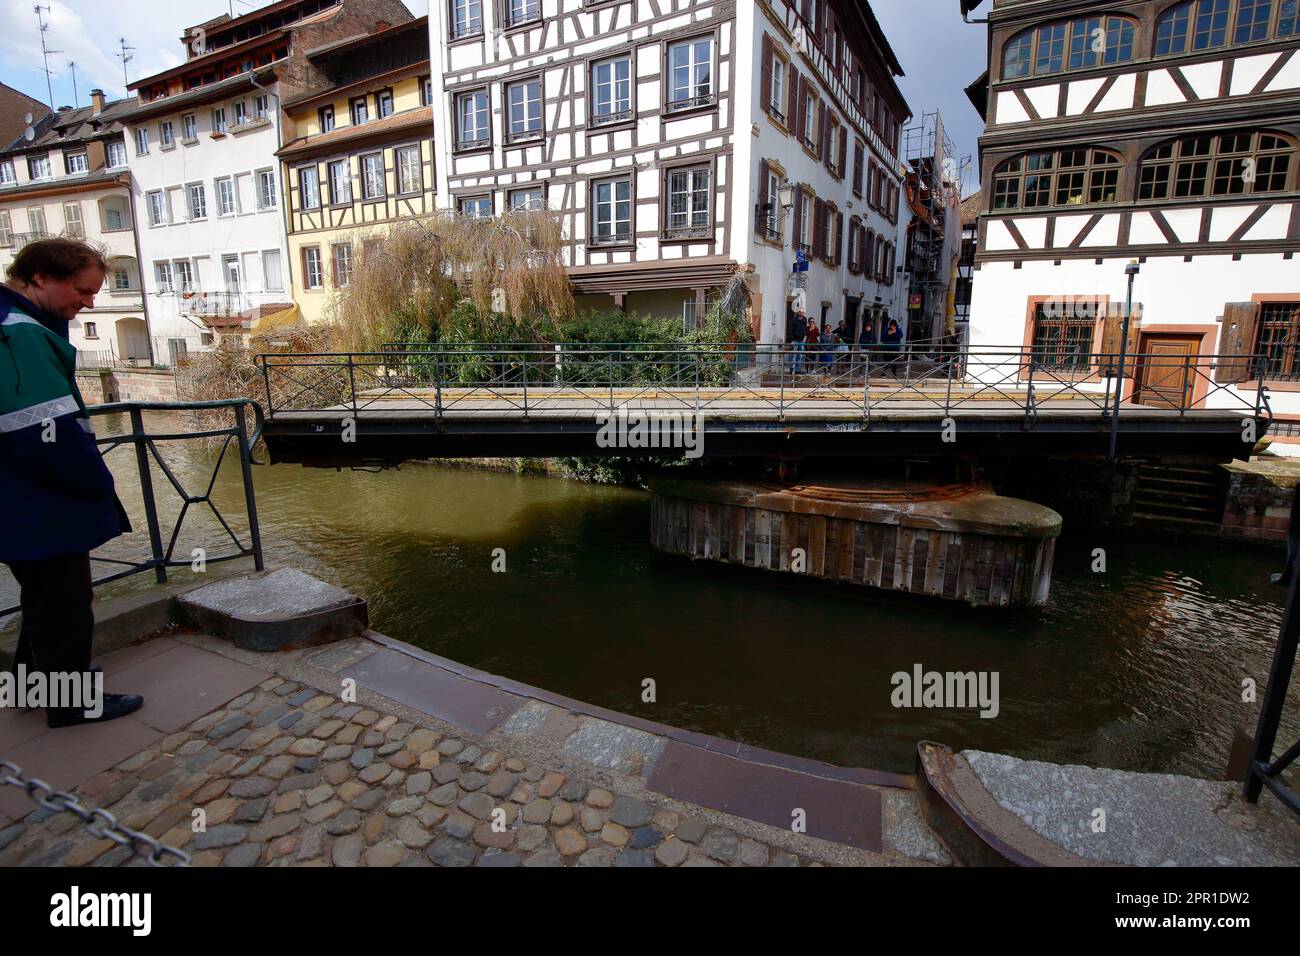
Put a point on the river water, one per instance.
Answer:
(1139, 668)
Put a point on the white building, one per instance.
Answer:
(668, 134)
(1159, 132)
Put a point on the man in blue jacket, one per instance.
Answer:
(57, 501)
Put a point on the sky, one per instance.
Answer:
(77, 29)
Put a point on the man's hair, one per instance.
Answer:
(57, 259)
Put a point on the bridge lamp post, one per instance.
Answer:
(1131, 270)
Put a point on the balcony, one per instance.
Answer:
(212, 304)
(769, 223)
(466, 145)
(21, 239)
(609, 119)
(690, 103)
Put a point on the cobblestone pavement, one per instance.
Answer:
(289, 776)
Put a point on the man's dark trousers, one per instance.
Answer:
(58, 623)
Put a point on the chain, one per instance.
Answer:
(96, 821)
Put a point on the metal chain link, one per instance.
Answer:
(96, 821)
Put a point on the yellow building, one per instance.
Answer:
(358, 156)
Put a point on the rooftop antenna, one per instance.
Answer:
(126, 56)
(969, 5)
(46, 51)
(72, 65)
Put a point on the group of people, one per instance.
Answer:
(827, 346)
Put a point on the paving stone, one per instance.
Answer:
(248, 766)
(345, 822)
(335, 752)
(223, 764)
(402, 760)
(666, 821)
(288, 802)
(283, 847)
(219, 836)
(348, 711)
(337, 773)
(287, 688)
(515, 765)
(720, 844)
(275, 827)
(444, 795)
(485, 835)
(372, 739)
(411, 834)
(374, 828)
(544, 858)
(271, 683)
(159, 787)
(488, 763)
(347, 850)
(365, 718)
(86, 853)
(243, 700)
(404, 806)
(446, 772)
(753, 853)
(349, 790)
(600, 798)
(270, 715)
(418, 784)
(394, 778)
(320, 814)
(449, 852)
(374, 773)
(472, 781)
(634, 858)
(185, 789)
(597, 856)
(278, 767)
(234, 741)
(459, 825)
(531, 837)
(501, 783)
(308, 723)
(450, 747)
(477, 805)
(369, 800)
(253, 811)
(399, 731)
(691, 830)
(348, 735)
(191, 747)
(318, 703)
(672, 852)
(630, 812)
(300, 698)
(574, 790)
(500, 860)
(252, 787)
(570, 842)
(561, 814)
(170, 743)
(524, 793)
(614, 835)
(781, 858)
(11, 833)
(550, 784)
(289, 720)
(246, 854)
(644, 837)
(198, 762)
(204, 723)
(318, 795)
(384, 724)
(429, 759)
(309, 843)
(119, 855)
(430, 816)
(421, 740)
(229, 726)
(278, 746)
(300, 781)
(538, 811)
(362, 758)
(700, 861)
(219, 811)
(532, 775)
(259, 738)
(307, 747)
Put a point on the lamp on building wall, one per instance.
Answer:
(786, 195)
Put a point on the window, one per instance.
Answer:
(113, 219)
(833, 149)
(6, 229)
(372, 176)
(689, 208)
(830, 234)
(524, 101)
(90, 330)
(855, 250)
(611, 89)
(7, 174)
(1224, 165)
(522, 11)
(810, 120)
(475, 207)
(472, 130)
(272, 274)
(184, 275)
(409, 175)
(527, 200)
(38, 167)
(1288, 18)
(466, 18)
(72, 219)
(859, 161)
(312, 277)
(326, 116)
(165, 137)
(1252, 20)
(1071, 177)
(1279, 340)
(142, 142)
(308, 188)
(340, 182)
(198, 201)
(190, 127)
(769, 215)
(266, 192)
(163, 273)
(774, 69)
(239, 110)
(1063, 334)
(226, 197)
(803, 216)
(360, 110)
(612, 212)
(1068, 44)
(384, 103)
(690, 74)
(219, 120)
(342, 265)
(1204, 24)
(426, 91)
(36, 221)
(121, 279)
(74, 163)
(261, 106)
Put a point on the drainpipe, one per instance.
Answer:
(139, 262)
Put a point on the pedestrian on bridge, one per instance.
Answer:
(798, 335)
(892, 344)
(57, 500)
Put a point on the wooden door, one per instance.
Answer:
(1166, 371)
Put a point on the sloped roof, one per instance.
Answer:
(970, 208)
(79, 125)
(14, 105)
(423, 116)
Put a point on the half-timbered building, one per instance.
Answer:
(684, 143)
(1162, 131)
(359, 156)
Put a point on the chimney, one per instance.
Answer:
(97, 100)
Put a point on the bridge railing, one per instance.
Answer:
(530, 377)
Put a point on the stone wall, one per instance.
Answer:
(127, 385)
(1260, 494)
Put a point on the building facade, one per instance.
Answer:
(1149, 130)
(72, 179)
(684, 144)
(203, 141)
(358, 156)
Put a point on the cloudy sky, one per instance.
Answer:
(940, 54)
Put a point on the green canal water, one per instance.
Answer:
(1139, 668)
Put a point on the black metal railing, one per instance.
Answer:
(145, 446)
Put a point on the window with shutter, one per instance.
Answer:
(763, 212)
(798, 219)
(839, 238)
(1238, 340)
(859, 160)
(792, 111)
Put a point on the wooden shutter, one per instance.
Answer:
(761, 213)
(1240, 321)
(844, 153)
(801, 128)
(824, 133)
(792, 113)
(839, 238)
(798, 218)
(818, 228)
(767, 72)
(859, 158)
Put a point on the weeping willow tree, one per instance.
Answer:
(408, 281)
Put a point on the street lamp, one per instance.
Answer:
(1131, 270)
(786, 195)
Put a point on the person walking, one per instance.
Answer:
(892, 340)
(57, 500)
(814, 336)
(798, 335)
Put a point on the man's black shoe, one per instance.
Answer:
(94, 669)
(115, 706)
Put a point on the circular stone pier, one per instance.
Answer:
(961, 542)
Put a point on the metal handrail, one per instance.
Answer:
(144, 443)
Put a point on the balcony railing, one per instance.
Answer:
(479, 142)
(23, 238)
(691, 102)
(608, 119)
(611, 239)
(212, 303)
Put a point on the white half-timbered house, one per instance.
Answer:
(667, 133)
(1150, 130)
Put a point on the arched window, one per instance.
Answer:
(1068, 45)
(1209, 24)
(1067, 177)
(1225, 164)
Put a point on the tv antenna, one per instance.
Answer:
(126, 55)
(46, 51)
(72, 65)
